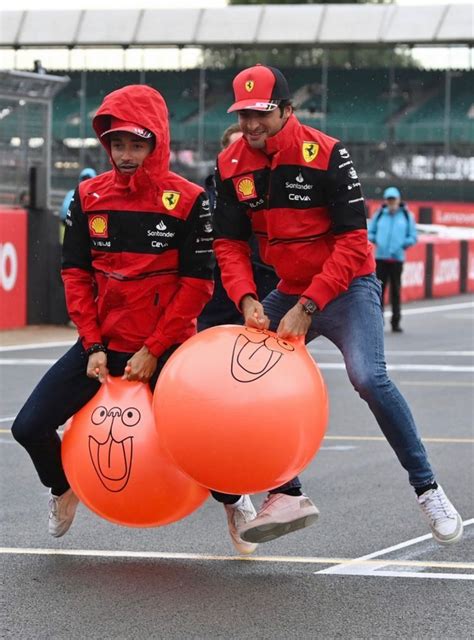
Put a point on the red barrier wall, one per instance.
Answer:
(414, 273)
(13, 255)
(470, 266)
(446, 269)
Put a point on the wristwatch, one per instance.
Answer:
(309, 306)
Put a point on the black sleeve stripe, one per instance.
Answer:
(344, 194)
(229, 220)
(196, 256)
(76, 245)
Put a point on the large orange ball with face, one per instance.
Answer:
(115, 462)
(240, 410)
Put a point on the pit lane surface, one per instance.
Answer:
(367, 569)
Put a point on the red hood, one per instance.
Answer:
(146, 107)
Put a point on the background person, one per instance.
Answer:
(220, 309)
(85, 174)
(392, 229)
(296, 188)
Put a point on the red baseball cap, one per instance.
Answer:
(121, 125)
(259, 88)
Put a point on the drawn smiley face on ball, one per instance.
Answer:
(111, 448)
(255, 353)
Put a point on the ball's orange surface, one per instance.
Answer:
(116, 465)
(240, 410)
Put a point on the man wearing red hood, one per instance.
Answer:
(137, 271)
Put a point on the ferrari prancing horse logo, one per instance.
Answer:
(170, 199)
(249, 85)
(310, 151)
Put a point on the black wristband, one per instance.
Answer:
(96, 347)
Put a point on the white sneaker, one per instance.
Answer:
(445, 522)
(236, 518)
(62, 510)
(280, 514)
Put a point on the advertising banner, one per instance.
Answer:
(414, 273)
(446, 269)
(13, 271)
(470, 266)
(455, 214)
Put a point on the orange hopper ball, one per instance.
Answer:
(240, 410)
(115, 463)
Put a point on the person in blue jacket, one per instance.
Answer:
(85, 174)
(392, 230)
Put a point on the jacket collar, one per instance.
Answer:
(284, 137)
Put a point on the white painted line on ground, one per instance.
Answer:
(454, 354)
(37, 345)
(340, 366)
(410, 574)
(434, 383)
(163, 555)
(434, 309)
(26, 361)
(432, 368)
(384, 439)
(7, 419)
(360, 438)
(347, 447)
(355, 568)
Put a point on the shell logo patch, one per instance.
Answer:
(310, 151)
(249, 85)
(98, 225)
(170, 199)
(245, 188)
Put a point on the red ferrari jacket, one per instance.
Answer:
(302, 198)
(137, 255)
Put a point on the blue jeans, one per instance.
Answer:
(354, 323)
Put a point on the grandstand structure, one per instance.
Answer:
(402, 124)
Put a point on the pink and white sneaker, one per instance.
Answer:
(280, 514)
(237, 517)
(62, 510)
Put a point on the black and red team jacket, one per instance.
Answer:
(302, 198)
(137, 255)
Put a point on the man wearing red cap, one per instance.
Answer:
(137, 271)
(297, 190)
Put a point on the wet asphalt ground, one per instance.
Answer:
(184, 581)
